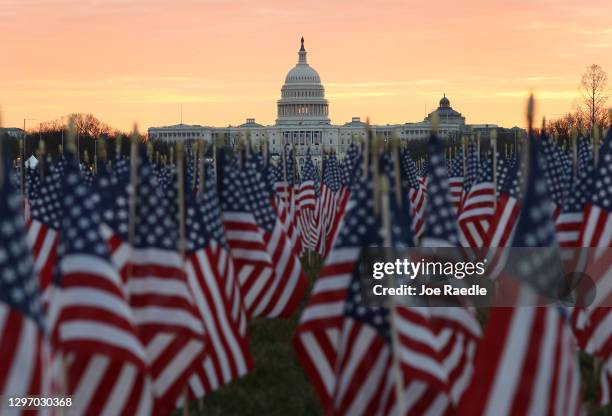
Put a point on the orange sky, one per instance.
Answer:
(224, 60)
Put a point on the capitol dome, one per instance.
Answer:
(444, 102)
(302, 96)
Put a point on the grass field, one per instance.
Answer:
(279, 387)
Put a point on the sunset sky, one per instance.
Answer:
(132, 61)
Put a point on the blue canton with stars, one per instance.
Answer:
(361, 230)
(535, 228)
(18, 281)
(257, 196)
(555, 171)
(203, 216)
(331, 173)
(582, 185)
(409, 169)
(81, 218)
(456, 166)
(154, 224)
(309, 173)
(47, 208)
(440, 221)
(602, 187)
(472, 167)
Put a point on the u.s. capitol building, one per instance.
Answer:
(303, 121)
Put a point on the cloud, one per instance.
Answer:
(356, 95)
(541, 94)
(376, 84)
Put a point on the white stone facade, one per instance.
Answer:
(303, 121)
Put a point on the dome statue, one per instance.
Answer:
(302, 96)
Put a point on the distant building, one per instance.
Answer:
(303, 121)
(12, 132)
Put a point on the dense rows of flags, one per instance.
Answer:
(130, 288)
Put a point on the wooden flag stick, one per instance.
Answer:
(102, 155)
(464, 154)
(71, 138)
(366, 147)
(388, 242)
(96, 140)
(527, 144)
(195, 154)
(201, 166)
(41, 160)
(180, 155)
(133, 186)
(118, 147)
(396, 169)
(596, 136)
(376, 149)
(22, 161)
(574, 139)
(180, 160)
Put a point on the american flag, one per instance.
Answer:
(456, 328)
(593, 322)
(343, 346)
(306, 199)
(430, 344)
(416, 193)
(24, 365)
(570, 221)
(440, 222)
(289, 281)
(245, 240)
(455, 181)
(527, 363)
(508, 205)
(215, 288)
(472, 166)
(165, 312)
(283, 194)
(43, 227)
(557, 178)
(503, 222)
(478, 207)
(92, 324)
(332, 203)
(32, 191)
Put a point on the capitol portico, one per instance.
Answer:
(303, 121)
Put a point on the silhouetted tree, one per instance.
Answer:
(594, 89)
